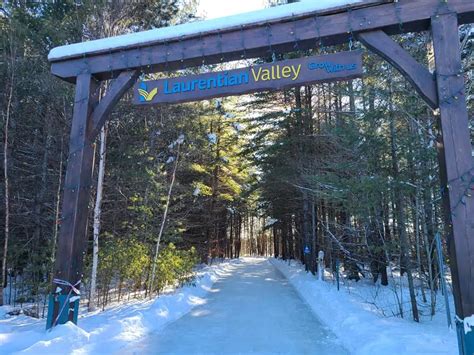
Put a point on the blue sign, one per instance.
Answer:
(269, 76)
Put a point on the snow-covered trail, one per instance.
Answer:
(253, 310)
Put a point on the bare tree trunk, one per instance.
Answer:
(314, 236)
(163, 222)
(405, 265)
(7, 204)
(97, 214)
(416, 219)
(57, 212)
(306, 232)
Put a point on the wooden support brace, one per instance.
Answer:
(419, 76)
(118, 88)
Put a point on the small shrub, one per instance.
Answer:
(175, 267)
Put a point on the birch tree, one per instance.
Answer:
(7, 115)
(165, 213)
(97, 214)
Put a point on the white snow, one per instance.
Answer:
(270, 222)
(468, 324)
(359, 324)
(250, 300)
(178, 141)
(237, 126)
(212, 137)
(108, 331)
(194, 28)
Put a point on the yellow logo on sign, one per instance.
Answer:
(144, 94)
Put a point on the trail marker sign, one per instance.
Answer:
(270, 76)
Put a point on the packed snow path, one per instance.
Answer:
(252, 310)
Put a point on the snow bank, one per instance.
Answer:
(107, 332)
(359, 325)
(187, 29)
(348, 313)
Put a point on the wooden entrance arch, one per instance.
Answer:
(370, 21)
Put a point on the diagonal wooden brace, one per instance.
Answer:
(417, 74)
(117, 89)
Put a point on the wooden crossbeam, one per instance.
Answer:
(190, 30)
(262, 39)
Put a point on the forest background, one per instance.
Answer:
(349, 168)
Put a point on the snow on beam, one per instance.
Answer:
(269, 15)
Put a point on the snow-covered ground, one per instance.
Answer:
(354, 314)
(253, 311)
(108, 331)
(358, 314)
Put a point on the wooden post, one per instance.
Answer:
(71, 242)
(459, 171)
(88, 118)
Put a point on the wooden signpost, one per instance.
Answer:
(272, 76)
